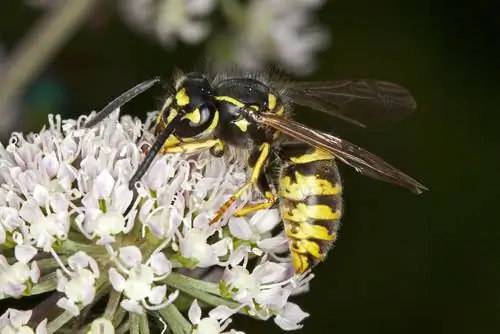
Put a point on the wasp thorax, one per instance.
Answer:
(240, 100)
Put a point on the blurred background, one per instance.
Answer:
(403, 263)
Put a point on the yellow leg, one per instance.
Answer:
(257, 170)
(270, 200)
(192, 146)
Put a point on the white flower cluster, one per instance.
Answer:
(68, 222)
(256, 32)
(281, 31)
(170, 19)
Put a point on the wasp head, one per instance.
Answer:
(193, 103)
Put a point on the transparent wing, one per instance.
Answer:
(356, 101)
(361, 160)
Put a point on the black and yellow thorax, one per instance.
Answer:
(235, 94)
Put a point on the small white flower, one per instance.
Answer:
(290, 317)
(44, 230)
(216, 322)
(16, 278)
(79, 288)
(194, 246)
(14, 321)
(138, 282)
(266, 291)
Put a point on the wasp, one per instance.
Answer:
(253, 113)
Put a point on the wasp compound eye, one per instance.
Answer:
(206, 111)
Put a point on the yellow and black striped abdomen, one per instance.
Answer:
(310, 203)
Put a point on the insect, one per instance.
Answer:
(250, 113)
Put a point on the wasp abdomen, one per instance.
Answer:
(310, 203)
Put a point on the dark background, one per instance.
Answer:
(403, 263)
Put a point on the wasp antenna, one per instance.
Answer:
(152, 152)
(122, 100)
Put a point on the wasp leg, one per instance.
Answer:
(263, 185)
(256, 172)
(212, 144)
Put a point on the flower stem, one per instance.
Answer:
(112, 305)
(123, 329)
(57, 323)
(186, 283)
(119, 316)
(134, 323)
(144, 324)
(175, 320)
(203, 291)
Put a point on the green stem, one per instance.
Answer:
(144, 324)
(112, 305)
(70, 247)
(123, 329)
(119, 316)
(186, 284)
(204, 291)
(175, 320)
(57, 323)
(134, 323)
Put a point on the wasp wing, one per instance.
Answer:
(356, 101)
(361, 160)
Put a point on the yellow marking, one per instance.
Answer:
(242, 124)
(302, 213)
(214, 123)
(218, 148)
(300, 249)
(281, 111)
(270, 200)
(190, 147)
(311, 247)
(316, 155)
(276, 135)
(159, 119)
(231, 100)
(170, 142)
(173, 113)
(306, 230)
(300, 263)
(182, 98)
(194, 116)
(271, 101)
(307, 186)
(307, 247)
(256, 171)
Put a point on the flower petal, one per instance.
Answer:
(194, 313)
